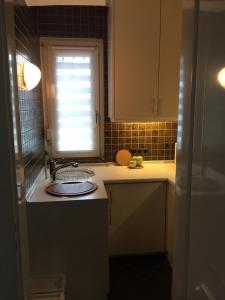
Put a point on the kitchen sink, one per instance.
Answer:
(71, 174)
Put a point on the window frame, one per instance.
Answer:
(46, 44)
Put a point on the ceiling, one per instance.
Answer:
(65, 2)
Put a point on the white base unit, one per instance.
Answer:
(70, 237)
(137, 218)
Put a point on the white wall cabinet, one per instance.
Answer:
(144, 53)
(137, 218)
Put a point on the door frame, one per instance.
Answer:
(190, 16)
(10, 271)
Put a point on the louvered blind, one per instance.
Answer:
(76, 100)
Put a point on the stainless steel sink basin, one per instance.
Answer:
(74, 174)
(70, 189)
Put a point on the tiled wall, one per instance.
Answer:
(77, 22)
(30, 102)
(157, 138)
(91, 22)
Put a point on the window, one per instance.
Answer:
(73, 92)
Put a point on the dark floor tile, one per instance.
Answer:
(140, 278)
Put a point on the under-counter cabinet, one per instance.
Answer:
(69, 236)
(144, 54)
(137, 218)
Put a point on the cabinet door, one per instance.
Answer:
(170, 41)
(137, 218)
(71, 238)
(134, 58)
(144, 56)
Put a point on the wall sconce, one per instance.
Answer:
(29, 76)
(221, 77)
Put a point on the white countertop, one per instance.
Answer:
(110, 173)
(152, 171)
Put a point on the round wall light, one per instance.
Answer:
(31, 75)
(221, 77)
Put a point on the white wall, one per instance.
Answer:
(65, 2)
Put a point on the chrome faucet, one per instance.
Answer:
(54, 169)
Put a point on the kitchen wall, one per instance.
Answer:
(91, 22)
(158, 138)
(30, 102)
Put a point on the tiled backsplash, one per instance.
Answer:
(30, 102)
(91, 22)
(157, 138)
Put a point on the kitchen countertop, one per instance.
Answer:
(110, 173)
(152, 171)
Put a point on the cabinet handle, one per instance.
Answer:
(155, 105)
(110, 210)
